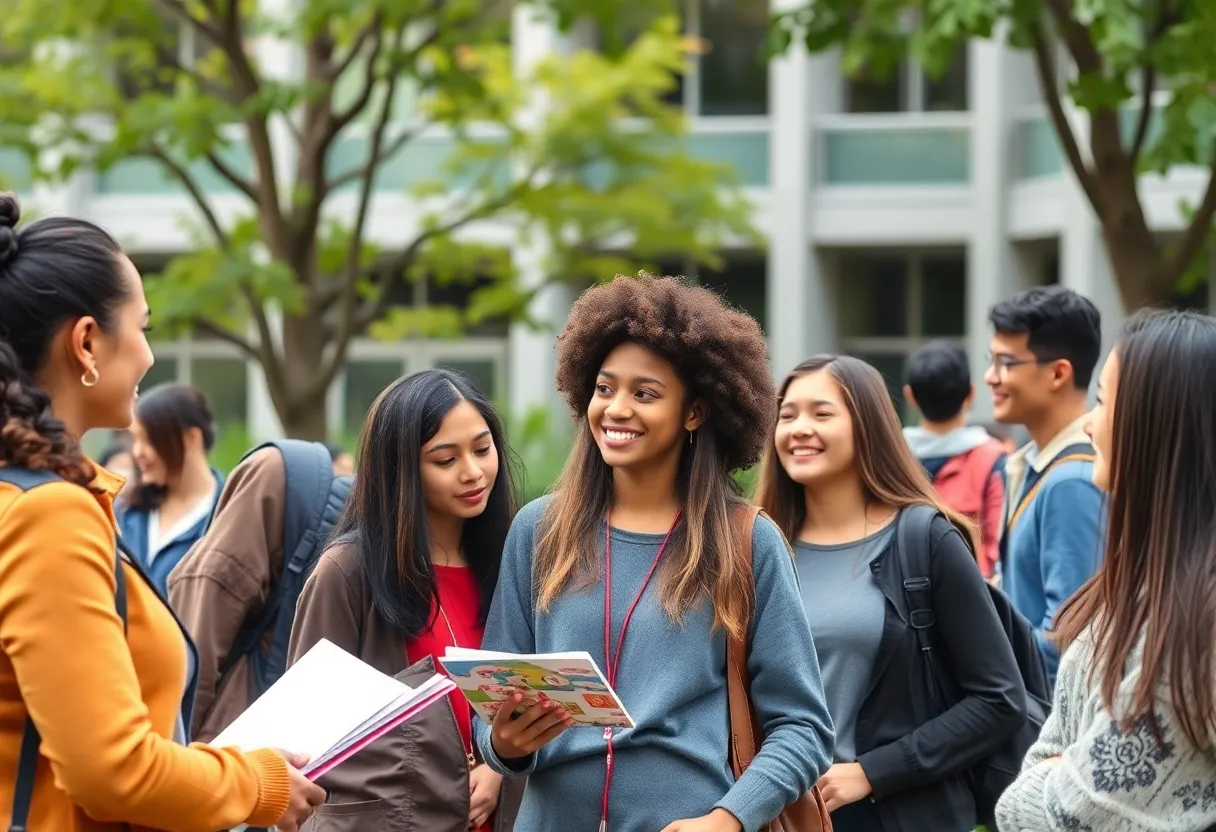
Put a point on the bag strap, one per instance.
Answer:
(1079, 452)
(27, 762)
(913, 532)
(742, 727)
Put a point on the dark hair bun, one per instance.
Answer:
(10, 213)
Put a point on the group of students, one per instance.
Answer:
(881, 688)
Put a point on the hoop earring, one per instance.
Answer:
(90, 377)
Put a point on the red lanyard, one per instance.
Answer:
(614, 659)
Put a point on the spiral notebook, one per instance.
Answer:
(329, 705)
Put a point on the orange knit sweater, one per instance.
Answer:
(106, 705)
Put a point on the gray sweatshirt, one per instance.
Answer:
(672, 679)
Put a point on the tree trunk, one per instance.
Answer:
(302, 416)
(1138, 265)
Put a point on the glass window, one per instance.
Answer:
(873, 296)
(164, 370)
(948, 93)
(867, 93)
(481, 370)
(891, 366)
(365, 379)
(743, 284)
(224, 381)
(943, 301)
(734, 70)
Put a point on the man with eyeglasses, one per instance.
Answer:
(1045, 346)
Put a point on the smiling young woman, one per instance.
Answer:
(635, 558)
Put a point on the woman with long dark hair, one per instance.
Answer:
(638, 559)
(1131, 742)
(410, 573)
(166, 509)
(96, 675)
(836, 477)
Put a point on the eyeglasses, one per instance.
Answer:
(1004, 363)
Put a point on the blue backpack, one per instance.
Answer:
(314, 501)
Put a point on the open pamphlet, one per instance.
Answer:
(573, 680)
(329, 705)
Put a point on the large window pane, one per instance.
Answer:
(482, 371)
(891, 366)
(164, 370)
(949, 92)
(742, 283)
(943, 303)
(873, 295)
(224, 381)
(734, 72)
(870, 93)
(365, 379)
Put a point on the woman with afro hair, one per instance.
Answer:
(634, 558)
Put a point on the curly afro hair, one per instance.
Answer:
(718, 352)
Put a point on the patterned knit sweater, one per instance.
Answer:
(1085, 774)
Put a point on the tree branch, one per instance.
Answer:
(196, 193)
(375, 307)
(1045, 68)
(1148, 80)
(229, 173)
(223, 333)
(1076, 36)
(374, 161)
(344, 117)
(1196, 234)
(352, 55)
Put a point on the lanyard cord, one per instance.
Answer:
(614, 660)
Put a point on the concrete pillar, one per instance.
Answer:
(800, 308)
(994, 270)
(531, 359)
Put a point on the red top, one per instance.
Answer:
(460, 599)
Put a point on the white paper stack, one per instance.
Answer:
(328, 706)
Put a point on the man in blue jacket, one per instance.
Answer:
(1045, 347)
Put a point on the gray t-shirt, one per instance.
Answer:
(845, 608)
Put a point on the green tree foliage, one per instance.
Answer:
(280, 218)
(1116, 52)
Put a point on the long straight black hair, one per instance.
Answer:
(385, 516)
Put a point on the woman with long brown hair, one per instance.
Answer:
(669, 389)
(1131, 741)
(836, 478)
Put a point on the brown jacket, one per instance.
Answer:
(415, 778)
(225, 580)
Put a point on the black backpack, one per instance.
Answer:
(314, 501)
(989, 778)
(27, 762)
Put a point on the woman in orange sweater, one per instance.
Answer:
(108, 708)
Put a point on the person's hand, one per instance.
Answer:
(306, 795)
(484, 785)
(517, 737)
(842, 784)
(719, 820)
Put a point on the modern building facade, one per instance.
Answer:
(896, 211)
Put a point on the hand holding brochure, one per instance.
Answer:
(571, 679)
(329, 705)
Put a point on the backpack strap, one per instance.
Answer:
(742, 728)
(27, 761)
(308, 469)
(912, 529)
(1078, 452)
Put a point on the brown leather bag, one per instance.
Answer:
(806, 814)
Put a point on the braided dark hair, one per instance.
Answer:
(51, 272)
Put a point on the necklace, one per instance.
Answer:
(468, 752)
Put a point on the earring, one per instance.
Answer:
(90, 377)
(691, 431)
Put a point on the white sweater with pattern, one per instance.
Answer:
(1106, 779)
